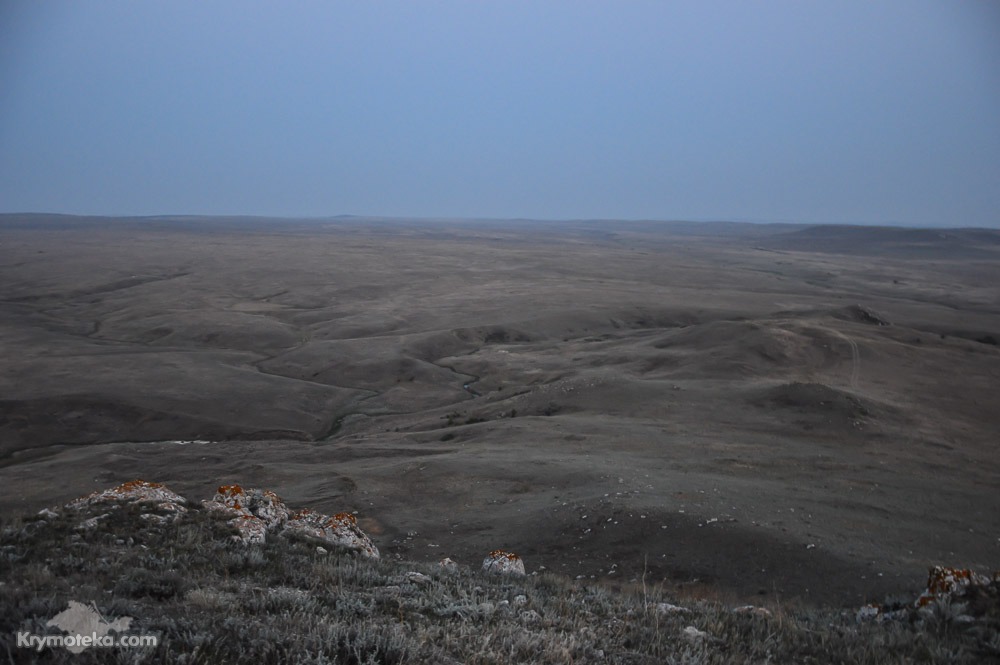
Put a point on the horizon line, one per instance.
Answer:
(449, 218)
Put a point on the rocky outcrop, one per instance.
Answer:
(340, 530)
(949, 583)
(959, 593)
(501, 562)
(259, 512)
(255, 512)
(159, 503)
(262, 504)
(134, 491)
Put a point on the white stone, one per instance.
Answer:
(668, 608)
(417, 578)
(752, 609)
(692, 634)
(502, 562)
(92, 522)
(868, 613)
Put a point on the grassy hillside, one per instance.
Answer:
(211, 599)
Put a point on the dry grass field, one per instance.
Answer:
(777, 413)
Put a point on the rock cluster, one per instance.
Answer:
(255, 513)
(945, 586)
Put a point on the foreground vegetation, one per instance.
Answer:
(210, 599)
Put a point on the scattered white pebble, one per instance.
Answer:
(667, 608)
(692, 634)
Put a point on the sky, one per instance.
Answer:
(855, 111)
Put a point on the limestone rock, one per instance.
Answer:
(254, 512)
(417, 578)
(214, 506)
(155, 496)
(870, 612)
(134, 491)
(692, 634)
(262, 504)
(341, 531)
(92, 522)
(670, 608)
(943, 582)
(752, 609)
(252, 530)
(503, 563)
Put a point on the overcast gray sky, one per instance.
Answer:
(848, 111)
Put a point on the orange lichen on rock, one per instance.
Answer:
(134, 492)
(943, 582)
(133, 485)
(252, 512)
(340, 530)
(496, 554)
(503, 562)
(248, 505)
(344, 518)
(252, 530)
(228, 494)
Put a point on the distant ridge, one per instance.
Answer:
(966, 243)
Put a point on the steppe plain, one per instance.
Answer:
(769, 413)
